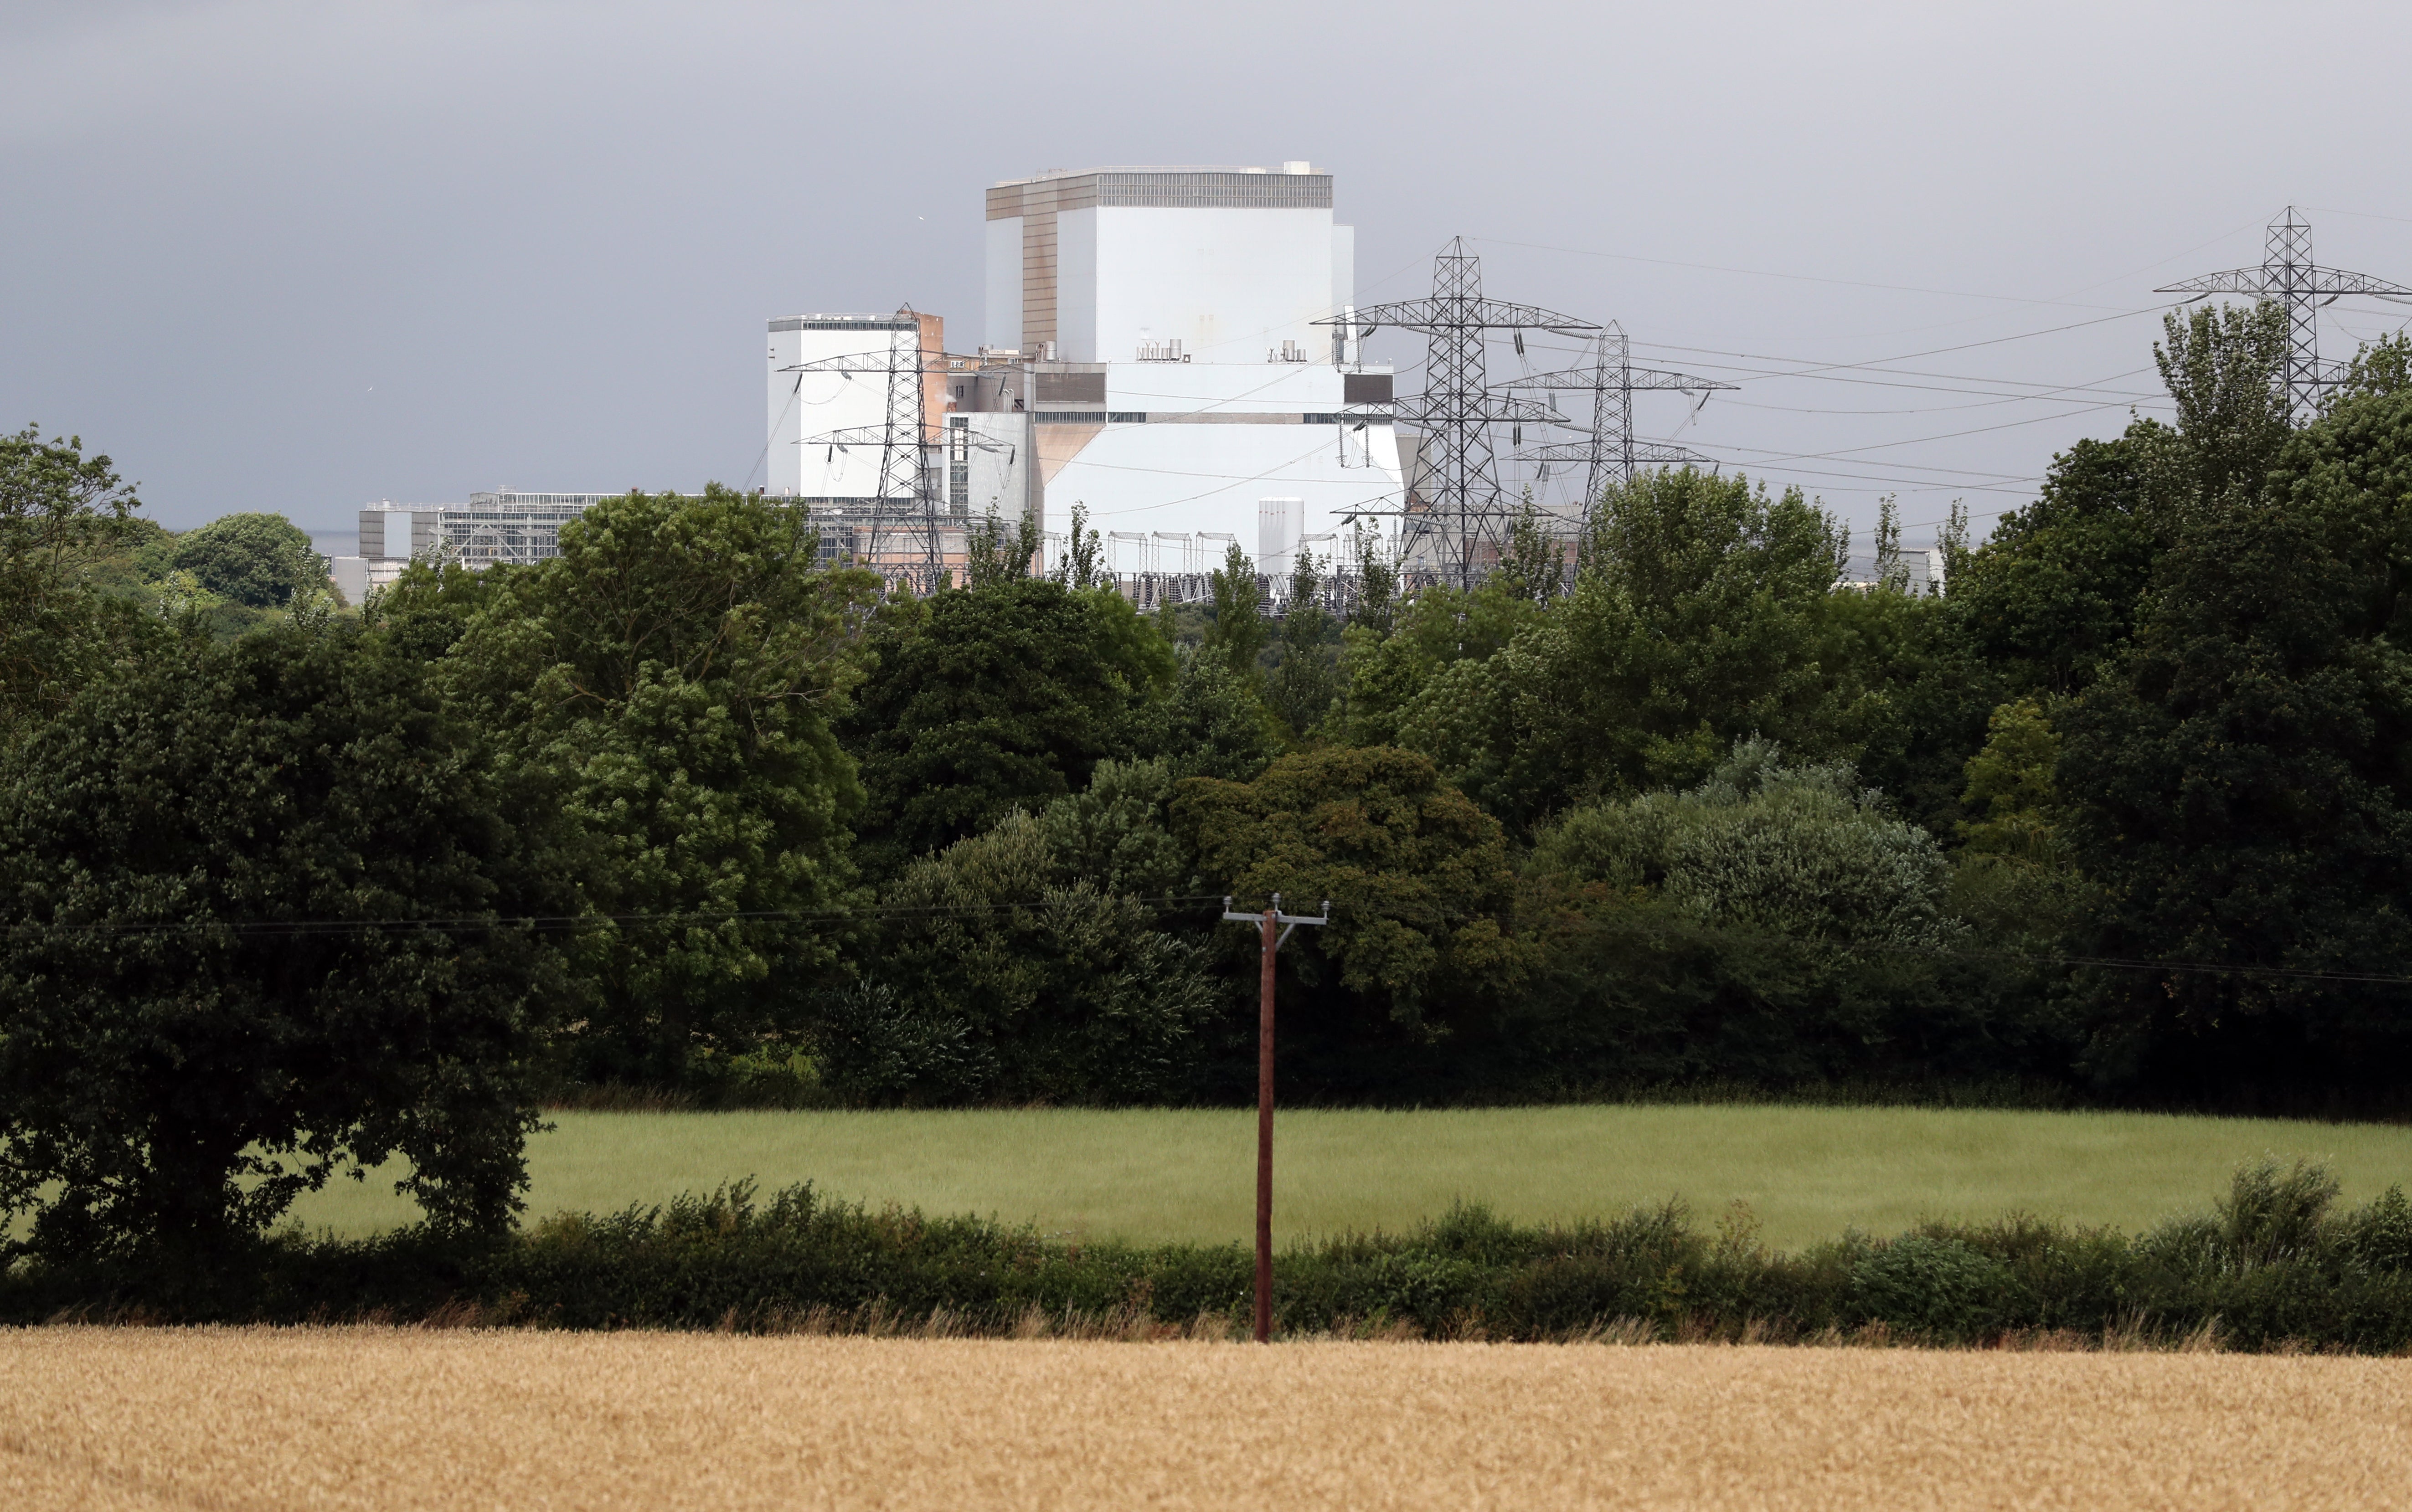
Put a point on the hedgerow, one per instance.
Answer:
(2275, 1264)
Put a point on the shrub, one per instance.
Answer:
(1939, 1288)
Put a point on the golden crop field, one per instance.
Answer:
(259, 1419)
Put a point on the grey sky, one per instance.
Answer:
(294, 256)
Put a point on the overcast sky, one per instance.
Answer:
(297, 257)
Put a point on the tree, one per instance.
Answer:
(259, 561)
(1693, 624)
(1393, 656)
(1535, 563)
(2052, 598)
(1801, 851)
(1775, 924)
(61, 514)
(995, 554)
(2238, 790)
(1418, 878)
(1236, 633)
(1210, 726)
(990, 698)
(673, 676)
(2224, 369)
(1083, 565)
(1010, 970)
(1302, 685)
(267, 911)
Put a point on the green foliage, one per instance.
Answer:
(985, 699)
(1533, 566)
(1692, 624)
(2013, 786)
(2238, 791)
(2274, 1213)
(2379, 368)
(729, 1259)
(1377, 586)
(1304, 680)
(1417, 875)
(1006, 974)
(1438, 629)
(1211, 726)
(62, 515)
(257, 559)
(266, 913)
(995, 556)
(2016, 877)
(1940, 1287)
(1084, 567)
(2224, 368)
(1803, 852)
(2052, 596)
(671, 679)
(1235, 633)
(1777, 925)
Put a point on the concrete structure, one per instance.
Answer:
(500, 526)
(1164, 318)
(825, 423)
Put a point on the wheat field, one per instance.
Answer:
(259, 1419)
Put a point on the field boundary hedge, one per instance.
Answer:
(2274, 1266)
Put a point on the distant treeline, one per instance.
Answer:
(682, 815)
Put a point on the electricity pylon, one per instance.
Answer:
(1457, 409)
(2288, 277)
(903, 507)
(1610, 453)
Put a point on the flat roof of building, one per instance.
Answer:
(1294, 186)
(845, 322)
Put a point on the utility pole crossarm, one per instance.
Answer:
(1651, 378)
(853, 436)
(858, 361)
(1492, 408)
(2258, 282)
(1653, 453)
(1425, 316)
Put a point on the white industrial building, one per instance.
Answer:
(1151, 352)
(503, 525)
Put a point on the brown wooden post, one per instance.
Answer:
(1265, 1133)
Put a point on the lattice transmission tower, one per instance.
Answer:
(1464, 525)
(2288, 277)
(1611, 454)
(904, 539)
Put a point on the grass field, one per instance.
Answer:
(1808, 1172)
(135, 1419)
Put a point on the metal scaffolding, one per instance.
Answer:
(2287, 277)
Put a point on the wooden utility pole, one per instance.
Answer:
(1266, 922)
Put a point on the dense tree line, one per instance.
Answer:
(2125, 813)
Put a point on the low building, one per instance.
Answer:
(504, 525)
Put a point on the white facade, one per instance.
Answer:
(500, 526)
(826, 426)
(1178, 375)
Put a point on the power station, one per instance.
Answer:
(1169, 348)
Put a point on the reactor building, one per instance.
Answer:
(1149, 353)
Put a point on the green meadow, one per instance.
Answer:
(1806, 1174)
